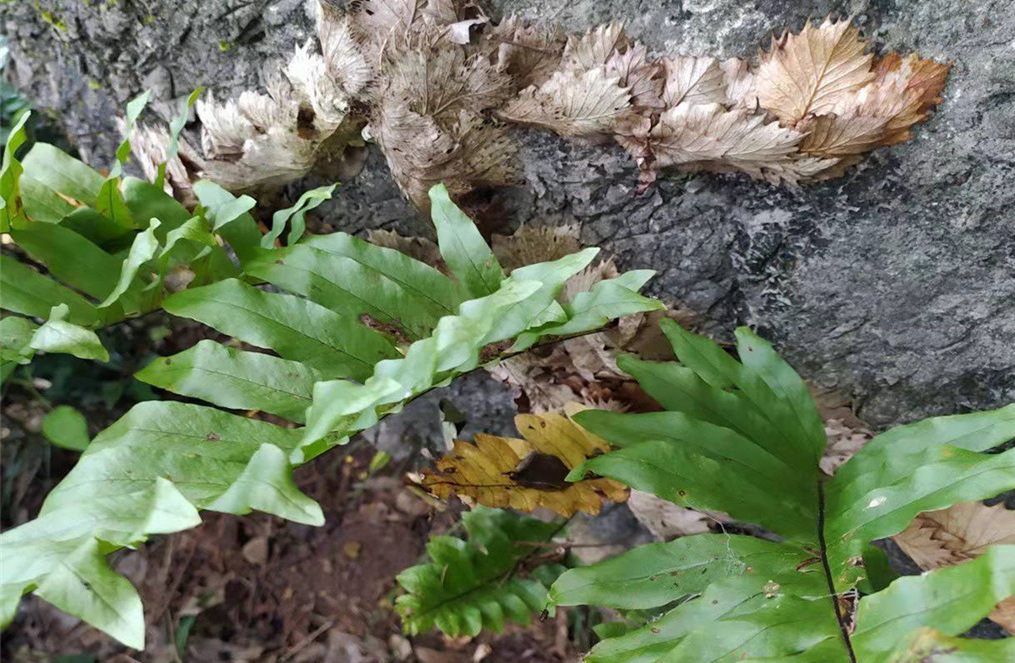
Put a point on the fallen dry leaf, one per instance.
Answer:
(666, 520)
(527, 473)
(641, 76)
(957, 534)
(255, 551)
(527, 52)
(352, 549)
(533, 244)
(845, 432)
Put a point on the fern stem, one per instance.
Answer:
(833, 595)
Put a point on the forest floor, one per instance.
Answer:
(260, 589)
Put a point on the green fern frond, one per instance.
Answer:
(479, 582)
(361, 331)
(745, 437)
(108, 244)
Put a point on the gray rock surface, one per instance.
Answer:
(895, 284)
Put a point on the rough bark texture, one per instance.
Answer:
(895, 284)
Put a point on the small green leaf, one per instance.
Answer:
(295, 216)
(466, 253)
(11, 211)
(710, 362)
(688, 461)
(57, 170)
(60, 336)
(67, 428)
(45, 205)
(146, 202)
(294, 328)
(70, 257)
(347, 286)
(656, 574)
(182, 634)
(135, 107)
(83, 584)
(229, 217)
(949, 600)
(142, 250)
(607, 300)
(24, 290)
(800, 417)
(15, 335)
(380, 460)
(454, 346)
(235, 379)
(471, 585)
(175, 128)
(266, 484)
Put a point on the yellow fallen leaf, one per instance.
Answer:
(526, 473)
(957, 534)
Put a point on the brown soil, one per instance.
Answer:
(260, 589)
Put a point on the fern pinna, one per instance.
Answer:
(360, 331)
(482, 582)
(744, 437)
(114, 247)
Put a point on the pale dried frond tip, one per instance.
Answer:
(595, 47)
(345, 58)
(691, 80)
(572, 104)
(149, 146)
(810, 72)
(466, 152)
(313, 84)
(708, 136)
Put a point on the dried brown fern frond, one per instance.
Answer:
(434, 81)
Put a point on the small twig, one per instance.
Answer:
(561, 544)
(518, 562)
(303, 644)
(180, 572)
